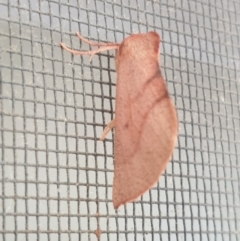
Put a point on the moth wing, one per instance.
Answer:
(145, 129)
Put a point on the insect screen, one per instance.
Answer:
(56, 176)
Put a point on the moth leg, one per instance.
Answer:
(95, 43)
(109, 126)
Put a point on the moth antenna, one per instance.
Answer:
(91, 43)
(91, 52)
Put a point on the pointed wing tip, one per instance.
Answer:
(122, 201)
(116, 207)
(116, 204)
(119, 202)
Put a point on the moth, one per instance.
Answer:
(145, 120)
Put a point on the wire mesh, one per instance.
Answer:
(56, 177)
